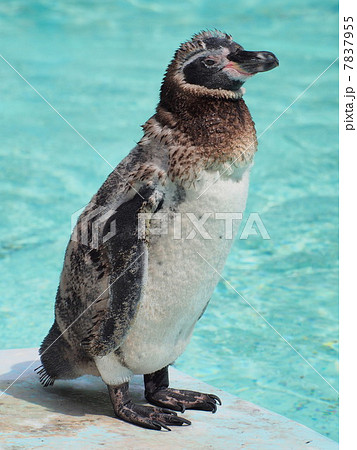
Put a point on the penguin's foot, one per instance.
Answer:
(180, 400)
(158, 393)
(143, 416)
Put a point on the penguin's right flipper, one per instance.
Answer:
(126, 256)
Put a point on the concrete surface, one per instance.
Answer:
(77, 414)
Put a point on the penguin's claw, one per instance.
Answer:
(217, 399)
(212, 406)
(160, 425)
(182, 406)
(180, 400)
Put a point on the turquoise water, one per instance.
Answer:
(101, 64)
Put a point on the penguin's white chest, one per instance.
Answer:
(194, 231)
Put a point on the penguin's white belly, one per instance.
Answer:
(180, 282)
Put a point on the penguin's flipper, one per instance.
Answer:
(126, 256)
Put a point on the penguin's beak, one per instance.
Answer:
(250, 63)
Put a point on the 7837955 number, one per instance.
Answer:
(347, 43)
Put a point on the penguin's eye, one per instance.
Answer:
(209, 62)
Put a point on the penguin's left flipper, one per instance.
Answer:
(158, 393)
(126, 256)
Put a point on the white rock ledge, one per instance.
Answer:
(78, 414)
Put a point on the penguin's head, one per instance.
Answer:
(212, 61)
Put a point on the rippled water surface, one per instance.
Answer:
(101, 64)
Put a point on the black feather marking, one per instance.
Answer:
(125, 253)
(45, 379)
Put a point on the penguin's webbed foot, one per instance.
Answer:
(149, 417)
(180, 400)
(158, 393)
(144, 416)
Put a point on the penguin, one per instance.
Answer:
(136, 275)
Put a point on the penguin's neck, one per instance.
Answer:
(202, 132)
